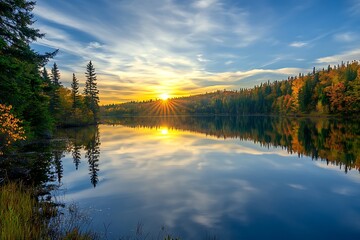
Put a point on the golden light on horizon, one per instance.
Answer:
(164, 131)
(164, 96)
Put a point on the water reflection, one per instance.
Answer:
(181, 173)
(42, 162)
(234, 178)
(87, 139)
(333, 141)
(93, 155)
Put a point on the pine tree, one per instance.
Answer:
(21, 85)
(75, 93)
(55, 93)
(46, 80)
(55, 74)
(91, 92)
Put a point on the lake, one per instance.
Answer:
(215, 177)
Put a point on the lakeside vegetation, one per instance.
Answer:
(23, 216)
(32, 95)
(333, 91)
(32, 103)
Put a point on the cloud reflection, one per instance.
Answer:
(187, 181)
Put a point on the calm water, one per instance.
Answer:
(233, 178)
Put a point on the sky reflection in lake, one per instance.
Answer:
(197, 185)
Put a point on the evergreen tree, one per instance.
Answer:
(21, 85)
(46, 80)
(55, 93)
(55, 74)
(91, 92)
(45, 75)
(75, 93)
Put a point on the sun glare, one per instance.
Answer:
(164, 96)
(164, 131)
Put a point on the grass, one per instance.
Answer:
(24, 217)
(20, 213)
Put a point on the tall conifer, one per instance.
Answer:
(75, 92)
(91, 92)
(21, 85)
(55, 94)
(55, 74)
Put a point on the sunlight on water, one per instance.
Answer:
(195, 183)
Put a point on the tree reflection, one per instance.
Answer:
(93, 155)
(332, 140)
(57, 155)
(42, 162)
(76, 154)
(88, 139)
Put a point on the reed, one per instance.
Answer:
(21, 214)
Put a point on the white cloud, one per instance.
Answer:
(94, 45)
(298, 44)
(201, 58)
(275, 60)
(345, 37)
(345, 56)
(156, 46)
(253, 72)
(204, 3)
(297, 186)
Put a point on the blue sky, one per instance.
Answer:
(142, 49)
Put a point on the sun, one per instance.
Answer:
(164, 131)
(164, 96)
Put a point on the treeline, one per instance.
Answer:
(331, 91)
(69, 107)
(331, 140)
(31, 99)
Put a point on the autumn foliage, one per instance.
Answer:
(10, 127)
(331, 91)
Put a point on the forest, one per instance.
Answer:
(331, 91)
(33, 101)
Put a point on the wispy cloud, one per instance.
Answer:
(345, 56)
(345, 37)
(149, 47)
(201, 58)
(158, 46)
(275, 60)
(204, 3)
(94, 45)
(354, 8)
(298, 44)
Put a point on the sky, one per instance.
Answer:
(142, 49)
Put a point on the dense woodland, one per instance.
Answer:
(331, 91)
(32, 100)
